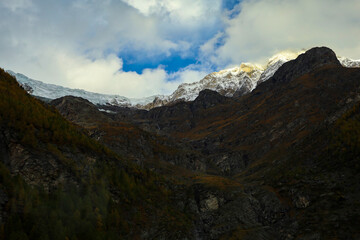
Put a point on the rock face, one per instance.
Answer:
(250, 213)
(36, 167)
(208, 98)
(210, 204)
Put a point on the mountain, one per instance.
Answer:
(350, 63)
(56, 182)
(52, 91)
(214, 123)
(229, 82)
(292, 143)
(276, 62)
(280, 162)
(235, 81)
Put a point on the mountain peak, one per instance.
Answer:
(244, 67)
(284, 56)
(230, 82)
(208, 98)
(311, 59)
(318, 56)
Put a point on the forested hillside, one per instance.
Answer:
(94, 193)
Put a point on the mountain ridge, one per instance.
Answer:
(228, 82)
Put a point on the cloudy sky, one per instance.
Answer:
(139, 48)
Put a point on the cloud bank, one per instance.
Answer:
(263, 28)
(83, 43)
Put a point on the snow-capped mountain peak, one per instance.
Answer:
(52, 91)
(229, 82)
(348, 62)
(248, 68)
(226, 82)
(283, 56)
(275, 62)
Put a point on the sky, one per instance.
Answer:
(139, 48)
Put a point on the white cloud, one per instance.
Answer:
(188, 75)
(180, 11)
(182, 20)
(81, 43)
(104, 75)
(16, 5)
(263, 28)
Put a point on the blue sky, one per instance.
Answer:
(172, 63)
(138, 48)
(134, 60)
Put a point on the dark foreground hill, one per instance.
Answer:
(281, 162)
(58, 183)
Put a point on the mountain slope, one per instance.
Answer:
(281, 161)
(125, 138)
(234, 131)
(58, 183)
